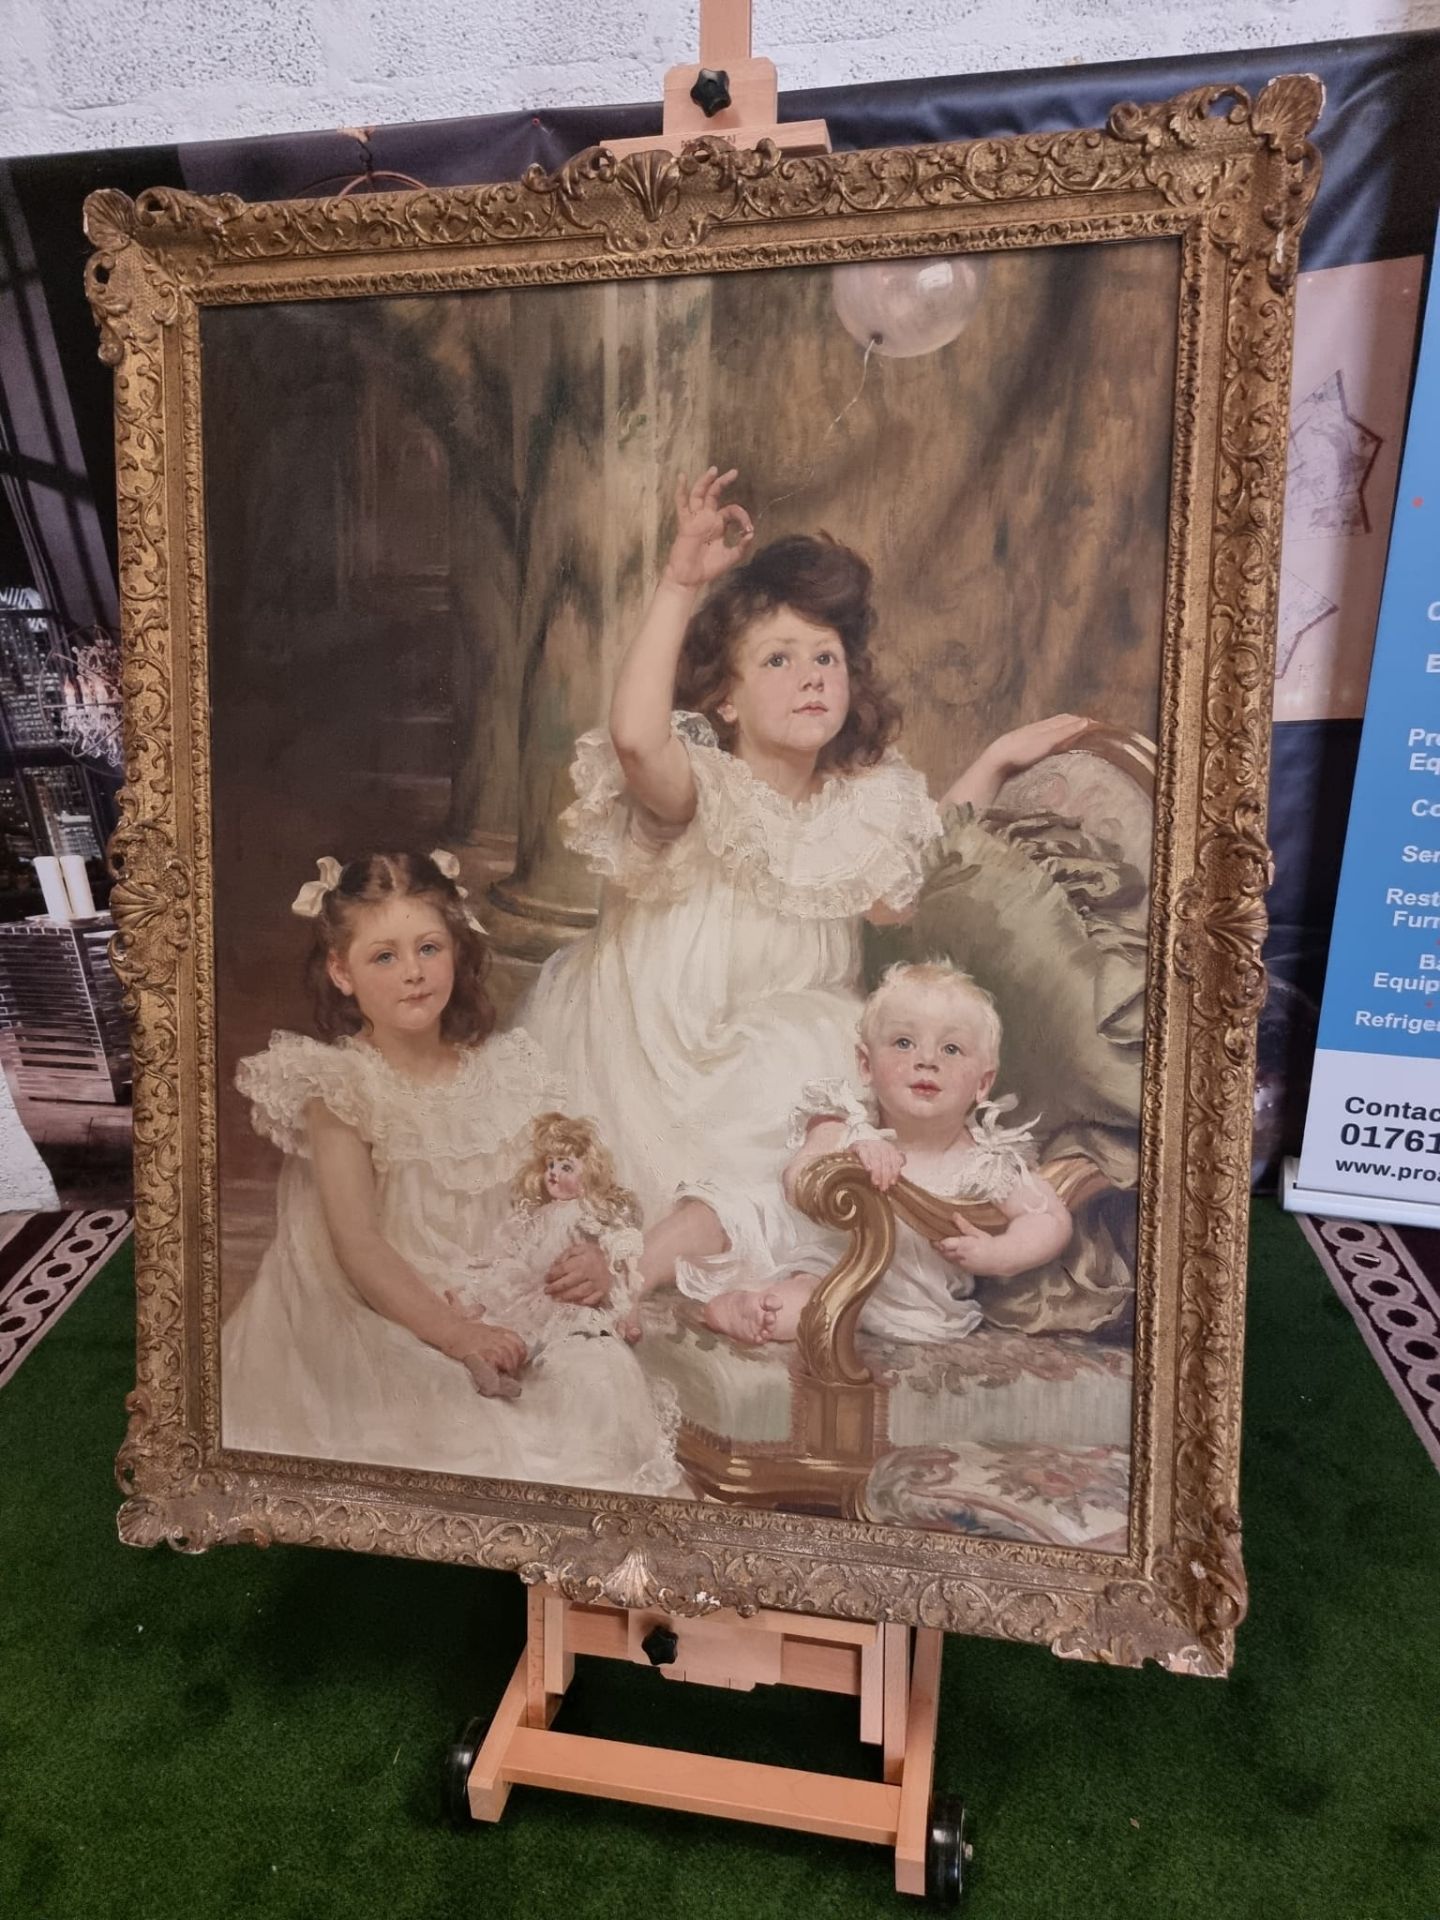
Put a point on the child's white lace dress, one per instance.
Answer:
(725, 969)
(307, 1367)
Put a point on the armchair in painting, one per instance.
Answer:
(1022, 1428)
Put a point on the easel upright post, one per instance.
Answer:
(744, 111)
(725, 32)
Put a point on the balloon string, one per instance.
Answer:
(800, 485)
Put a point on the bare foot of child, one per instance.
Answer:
(630, 1328)
(746, 1316)
(489, 1380)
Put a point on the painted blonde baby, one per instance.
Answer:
(928, 1053)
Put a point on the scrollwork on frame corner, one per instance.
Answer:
(171, 1498)
(1185, 144)
(1204, 1579)
(1286, 111)
(147, 253)
(109, 220)
(1182, 1617)
(1182, 122)
(154, 1452)
(1284, 115)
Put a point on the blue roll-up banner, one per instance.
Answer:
(1371, 1149)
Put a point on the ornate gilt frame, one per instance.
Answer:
(1231, 178)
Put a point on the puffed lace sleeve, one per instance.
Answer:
(613, 836)
(622, 1246)
(470, 1131)
(294, 1070)
(833, 1100)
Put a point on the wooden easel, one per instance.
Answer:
(898, 1700)
(897, 1682)
(752, 115)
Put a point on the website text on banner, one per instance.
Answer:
(1372, 1133)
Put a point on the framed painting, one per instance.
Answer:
(691, 876)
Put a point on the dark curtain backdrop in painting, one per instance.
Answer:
(1378, 201)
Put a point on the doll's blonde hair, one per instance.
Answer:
(555, 1136)
(935, 976)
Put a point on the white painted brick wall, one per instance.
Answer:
(101, 73)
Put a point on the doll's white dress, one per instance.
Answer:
(307, 1367)
(511, 1282)
(724, 971)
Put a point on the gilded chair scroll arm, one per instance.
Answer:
(836, 1192)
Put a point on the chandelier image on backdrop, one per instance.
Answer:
(88, 711)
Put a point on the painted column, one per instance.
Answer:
(611, 388)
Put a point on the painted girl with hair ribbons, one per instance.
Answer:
(402, 1126)
(742, 840)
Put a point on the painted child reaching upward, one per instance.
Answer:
(928, 1053)
(742, 841)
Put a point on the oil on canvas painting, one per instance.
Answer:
(682, 773)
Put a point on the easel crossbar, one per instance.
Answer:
(702, 1783)
(898, 1702)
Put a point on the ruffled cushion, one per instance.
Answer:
(859, 841)
(459, 1127)
(1047, 924)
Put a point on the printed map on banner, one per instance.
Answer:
(1354, 343)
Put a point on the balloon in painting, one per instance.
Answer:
(906, 307)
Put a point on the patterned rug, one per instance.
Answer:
(1389, 1278)
(46, 1262)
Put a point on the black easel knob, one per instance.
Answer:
(660, 1646)
(711, 91)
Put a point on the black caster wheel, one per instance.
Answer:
(459, 1759)
(947, 1851)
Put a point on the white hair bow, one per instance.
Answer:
(311, 897)
(449, 865)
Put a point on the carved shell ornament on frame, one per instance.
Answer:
(1232, 178)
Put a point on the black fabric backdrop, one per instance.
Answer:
(1378, 201)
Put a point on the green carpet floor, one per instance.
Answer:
(260, 1734)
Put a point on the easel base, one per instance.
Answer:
(898, 1704)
